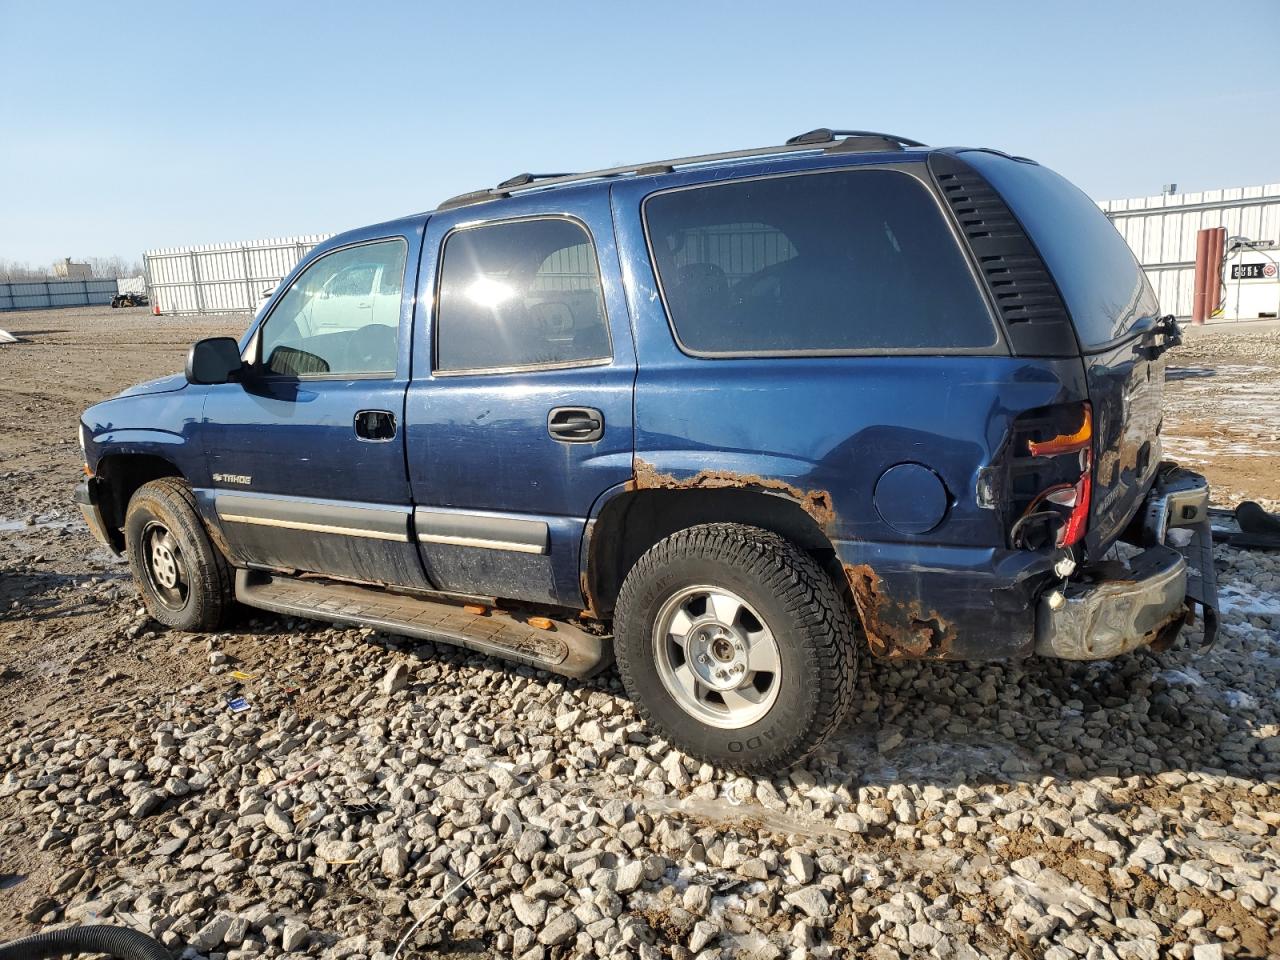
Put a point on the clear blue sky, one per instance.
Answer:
(128, 125)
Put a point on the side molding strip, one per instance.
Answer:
(386, 523)
(316, 516)
(477, 530)
(315, 527)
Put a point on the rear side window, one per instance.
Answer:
(1104, 288)
(522, 293)
(817, 263)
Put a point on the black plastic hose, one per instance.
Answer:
(119, 942)
(1253, 519)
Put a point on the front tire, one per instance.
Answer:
(184, 580)
(735, 646)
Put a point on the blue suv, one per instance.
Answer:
(724, 418)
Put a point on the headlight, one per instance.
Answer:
(84, 435)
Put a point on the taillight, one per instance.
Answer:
(1078, 502)
(1080, 439)
(1065, 503)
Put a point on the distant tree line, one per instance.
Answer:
(102, 267)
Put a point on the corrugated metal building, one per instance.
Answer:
(222, 277)
(1162, 231)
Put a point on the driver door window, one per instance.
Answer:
(340, 317)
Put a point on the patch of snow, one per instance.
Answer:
(1237, 598)
(1239, 700)
(1189, 677)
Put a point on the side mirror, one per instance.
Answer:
(213, 360)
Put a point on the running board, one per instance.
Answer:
(563, 649)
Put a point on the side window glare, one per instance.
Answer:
(341, 316)
(520, 293)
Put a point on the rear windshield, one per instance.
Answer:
(1101, 282)
(814, 263)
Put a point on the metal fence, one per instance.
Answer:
(34, 294)
(1162, 232)
(222, 278)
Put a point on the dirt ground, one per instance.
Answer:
(1222, 411)
(74, 650)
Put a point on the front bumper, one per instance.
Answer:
(1116, 606)
(87, 499)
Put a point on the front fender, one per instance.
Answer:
(160, 425)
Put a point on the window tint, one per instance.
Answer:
(340, 316)
(825, 262)
(1104, 288)
(517, 294)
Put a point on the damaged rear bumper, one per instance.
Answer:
(919, 601)
(1129, 606)
(1115, 606)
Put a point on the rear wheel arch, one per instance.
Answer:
(633, 521)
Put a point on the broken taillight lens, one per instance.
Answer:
(1080, 439)
(1076, 498)
(1068, 499)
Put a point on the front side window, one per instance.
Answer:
(815, 263)
(523, 293)
(341, 316)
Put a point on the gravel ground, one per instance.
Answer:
(377, 788)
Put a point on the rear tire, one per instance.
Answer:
(765, 667)
(184, 579)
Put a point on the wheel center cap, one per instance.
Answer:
(718, 655)
(162, 563)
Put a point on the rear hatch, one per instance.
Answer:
(1116, 319)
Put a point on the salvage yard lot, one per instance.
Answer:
(1019, 809)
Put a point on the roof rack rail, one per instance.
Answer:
(824, 139)
(520, 179)
(827, 135)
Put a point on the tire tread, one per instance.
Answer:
(826, 631)
(212, 575)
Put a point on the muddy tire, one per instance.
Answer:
(184, 580)
(736, 646)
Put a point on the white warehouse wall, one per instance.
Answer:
(1162, 231)
(222, 277)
